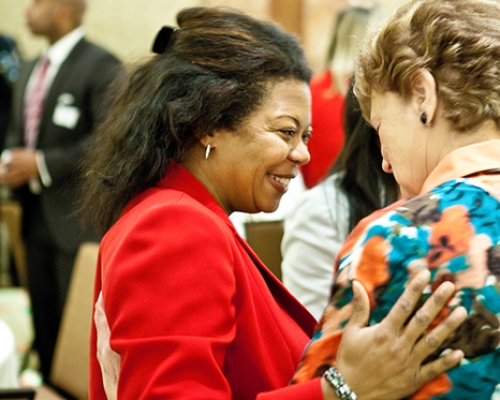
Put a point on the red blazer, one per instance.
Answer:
(192, 310)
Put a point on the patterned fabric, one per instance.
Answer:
(454, 231)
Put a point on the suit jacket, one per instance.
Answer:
(192, 310)
(79, 86)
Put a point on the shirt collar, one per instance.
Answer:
(59, 51)
(464, 161)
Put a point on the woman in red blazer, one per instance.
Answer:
(219, 122)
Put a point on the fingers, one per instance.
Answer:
(99, 315)
(108, 359)
(435, 368)
(429, 310)
(361, 307)
(431, 341)
(405, 305)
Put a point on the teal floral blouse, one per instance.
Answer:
(454, 231)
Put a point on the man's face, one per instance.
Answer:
(41, 17)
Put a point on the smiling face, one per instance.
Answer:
(404, 140)
(249, 170)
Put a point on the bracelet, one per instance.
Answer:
(342, 389)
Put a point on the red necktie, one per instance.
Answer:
(34, 103)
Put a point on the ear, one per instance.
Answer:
(424, 94)
(208, 139)
(214, 138)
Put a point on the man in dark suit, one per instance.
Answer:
(58, 99)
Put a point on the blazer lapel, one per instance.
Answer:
(65, 71)
(289, 303)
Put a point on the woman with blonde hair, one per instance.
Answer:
(429, 82)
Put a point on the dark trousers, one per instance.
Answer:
(49, 271)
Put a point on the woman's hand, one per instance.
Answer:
(108, 359)
(384, 361)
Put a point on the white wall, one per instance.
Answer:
(127, 27)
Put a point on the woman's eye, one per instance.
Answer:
(289, 132)
(306, 137)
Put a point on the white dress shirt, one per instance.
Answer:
(57, 54)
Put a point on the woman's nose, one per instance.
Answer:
(300, 154)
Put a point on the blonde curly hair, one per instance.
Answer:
(457, 41)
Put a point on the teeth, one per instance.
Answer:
(284, 181)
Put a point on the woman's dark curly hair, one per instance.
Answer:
(214, 76)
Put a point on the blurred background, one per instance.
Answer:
(127, 27)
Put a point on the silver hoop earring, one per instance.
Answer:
(207, 151)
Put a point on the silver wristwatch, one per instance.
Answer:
(342, 389)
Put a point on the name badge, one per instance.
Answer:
(66, 114)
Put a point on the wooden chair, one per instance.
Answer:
(11, 215)
(264, 237)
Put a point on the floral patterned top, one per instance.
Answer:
(454, 231)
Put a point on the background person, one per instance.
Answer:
(217, 122)
(428, 83)
(322, 217)
(328, 89)
(10, 60)
(56, 105)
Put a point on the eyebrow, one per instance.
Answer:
(294, 119)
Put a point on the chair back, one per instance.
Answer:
(11, 215)
(264, 237)
(70, 370)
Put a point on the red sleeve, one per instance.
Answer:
(168, 294)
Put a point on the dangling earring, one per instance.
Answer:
(207, 151)
(423, 118)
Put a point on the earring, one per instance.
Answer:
(207, 151)
(423, 118)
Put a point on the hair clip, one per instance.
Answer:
(164, 39)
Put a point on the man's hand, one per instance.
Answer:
(18, 167)
(108, 359)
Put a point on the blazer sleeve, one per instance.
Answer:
(169, 294)
(14, 136)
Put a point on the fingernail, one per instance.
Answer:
(422, 277)
(446, 289)
(457, 356)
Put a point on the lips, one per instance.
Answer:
(284, 181)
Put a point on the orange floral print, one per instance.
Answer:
(450, 236)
